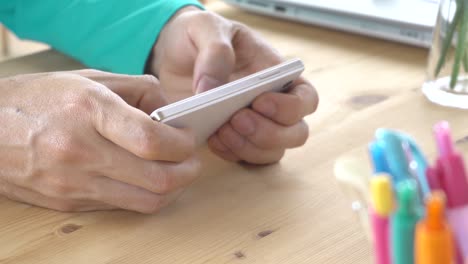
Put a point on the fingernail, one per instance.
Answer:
(266, 107)
(206, 83)
(244, 124)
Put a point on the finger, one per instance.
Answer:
(245, 150)
(267, 134)
(128, 197)
(288, 108)
(253, 52)
(305, 90)
(212, 36)
(32, 197)
(218, 147)
(136, 132)
(154, 176)
(140, 91)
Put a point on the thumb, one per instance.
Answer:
(216, 59)
(136, 132)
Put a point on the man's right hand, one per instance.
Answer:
(81, 141)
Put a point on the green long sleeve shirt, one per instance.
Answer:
(112, 35)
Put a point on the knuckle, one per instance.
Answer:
(67, 149)
(274, 157)
(58, 187)
(270, 141)
(149, 142)
(312, 101)
(315, 102)
(298, 109)
(9, 192)
(88, 72)
(231, 139)
(167, 181)
(192, 171)
(303, 133)
(221, 46)
(150, 80)
(267, 158)
(279, 155)
(65, 206)
(269, 138)
(164, 183)
(276, 140)
(152, 206)
(206, 16)
(240, 26)
(312, 105)
(196, 167)
(83, 100)
(5, 188)
(94, 71)
(158, 180)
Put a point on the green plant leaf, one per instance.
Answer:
(448, 38)
(460, 48)
(465, 60)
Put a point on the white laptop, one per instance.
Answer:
(407, 21)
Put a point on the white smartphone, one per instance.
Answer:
(206, 112)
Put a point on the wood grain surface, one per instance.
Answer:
(291, 212)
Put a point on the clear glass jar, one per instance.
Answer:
(447, 69)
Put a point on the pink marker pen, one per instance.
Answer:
(379, 211)
(454, 182)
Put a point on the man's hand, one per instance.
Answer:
(202, 50)
(78, 141)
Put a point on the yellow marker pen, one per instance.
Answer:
(381, 208)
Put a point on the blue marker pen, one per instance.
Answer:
(377, 155)
(395, 154)
(417, 164)
(401, 152)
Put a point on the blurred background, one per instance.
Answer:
(11, 46)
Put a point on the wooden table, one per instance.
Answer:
(292, 212)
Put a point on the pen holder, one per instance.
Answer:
(447, 78)
(353, 177)
(394, 161)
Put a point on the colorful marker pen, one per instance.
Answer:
(404, 222)
(453, 180)
(402, 156)
(417, 164)
(394, 154)
(458, 219)
(379, 211)
(377, 155)
(434, 240)
(433, 175)
(453, 174)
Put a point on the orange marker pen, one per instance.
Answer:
(434, 239)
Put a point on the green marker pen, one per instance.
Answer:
(403, 222)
